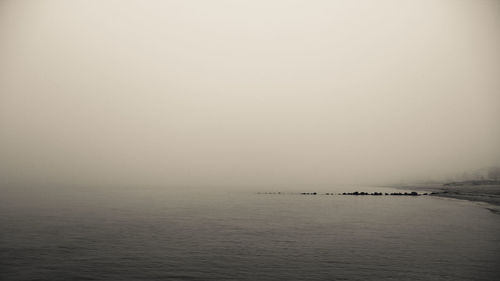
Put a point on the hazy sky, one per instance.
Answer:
(241, 93)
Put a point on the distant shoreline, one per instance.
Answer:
(471, 191)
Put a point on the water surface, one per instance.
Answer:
(159, 234)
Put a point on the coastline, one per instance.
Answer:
(487, 193)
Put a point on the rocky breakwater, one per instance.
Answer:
(356, 193)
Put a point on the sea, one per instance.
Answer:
(154, 233)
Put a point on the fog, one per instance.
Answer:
(247, 93)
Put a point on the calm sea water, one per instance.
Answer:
(155, 234)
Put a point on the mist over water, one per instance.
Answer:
(244, 93)
(135, 137)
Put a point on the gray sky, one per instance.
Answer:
(242, 93)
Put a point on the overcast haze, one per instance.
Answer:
(247, 93)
